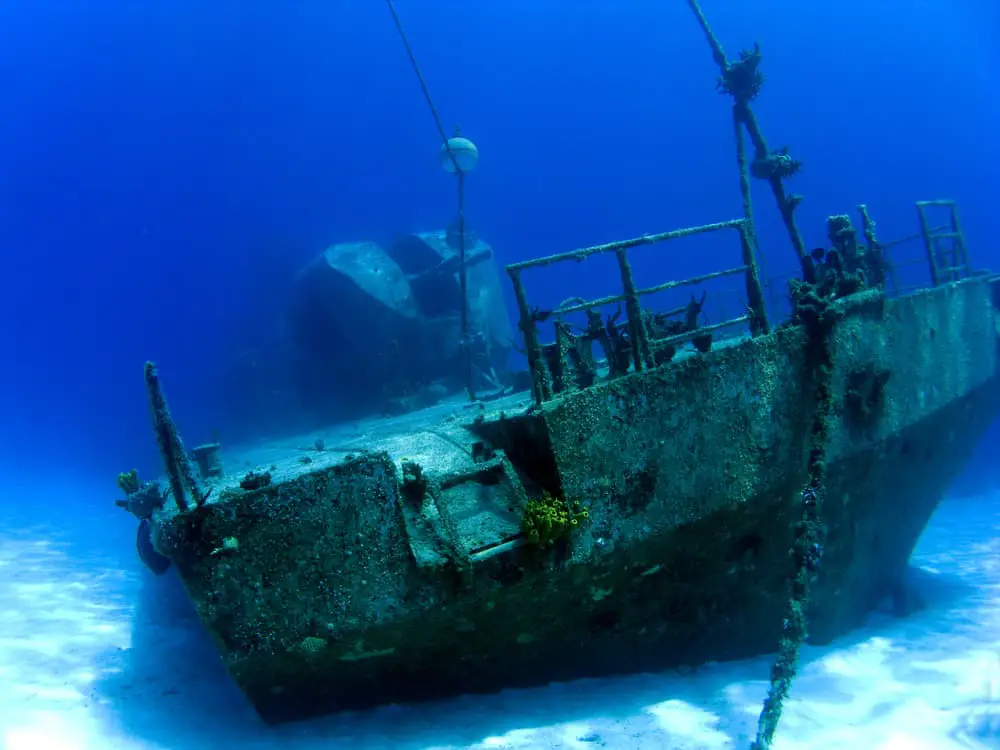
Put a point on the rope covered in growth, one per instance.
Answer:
(463, 276)
(817, 318)
(742, 79)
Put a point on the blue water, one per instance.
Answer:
(166, 168)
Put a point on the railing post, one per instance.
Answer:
(541, 383)
(748, 234)
(641, 355)
(960, 247)
(755, 294)
(925, 231)
(564, 340)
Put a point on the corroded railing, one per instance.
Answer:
(643, 347)
(947, 255)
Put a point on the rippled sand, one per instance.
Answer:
(95, 653)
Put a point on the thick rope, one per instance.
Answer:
(812, 312)
(420, 78)
(463, 275)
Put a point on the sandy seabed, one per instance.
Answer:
(96, 653)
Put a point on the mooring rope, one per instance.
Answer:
(463, 276)
(420, 78)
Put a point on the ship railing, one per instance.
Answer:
(947, 255)
(904, 266)
(568, 363)
(896, 268)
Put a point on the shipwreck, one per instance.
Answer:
(662, 491)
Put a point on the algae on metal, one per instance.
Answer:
(359, 581)
(661, 513)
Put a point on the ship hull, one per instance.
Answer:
(401, 573)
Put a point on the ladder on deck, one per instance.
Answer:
(945, 244)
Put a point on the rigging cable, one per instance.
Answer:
(463, 276)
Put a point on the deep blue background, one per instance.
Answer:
(164, 166)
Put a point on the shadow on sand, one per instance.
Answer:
(170, 689)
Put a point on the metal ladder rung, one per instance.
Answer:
(945, 236)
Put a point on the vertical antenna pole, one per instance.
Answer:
(464, 344)
(463, 280)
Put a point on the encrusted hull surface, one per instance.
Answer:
(394, 567)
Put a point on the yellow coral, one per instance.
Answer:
(549, 518)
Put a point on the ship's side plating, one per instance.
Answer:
(714, 442)
(402, 573)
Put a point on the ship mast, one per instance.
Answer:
(459, 166)
(742, 80)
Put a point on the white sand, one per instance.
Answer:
(95, 653)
